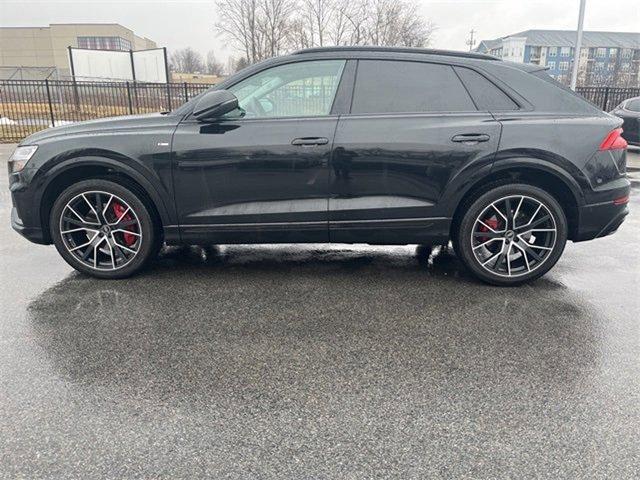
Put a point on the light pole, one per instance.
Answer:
(576, 51)
(471, 41)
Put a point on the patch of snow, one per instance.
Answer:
(60, 123)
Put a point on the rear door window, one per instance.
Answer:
(389, 86)
(485, 94)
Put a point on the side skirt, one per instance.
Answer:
(400, 231)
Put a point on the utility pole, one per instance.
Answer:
(576, 51)
(471, 42)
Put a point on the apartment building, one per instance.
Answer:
(606, 58)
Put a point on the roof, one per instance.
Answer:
(489, 44)
(428, 51)
(567, 38)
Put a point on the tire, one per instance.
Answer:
(103, 229)
(511, 249)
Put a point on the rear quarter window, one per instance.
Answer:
(390, 86)
(542, 91)
(485, 94)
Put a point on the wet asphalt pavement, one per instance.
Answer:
(319, 362)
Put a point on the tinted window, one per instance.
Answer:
(295, 89)
(486, 95)
(545, 93)
(390, 86)
(633, 105)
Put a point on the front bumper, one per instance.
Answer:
(33, 234)
(25, 214)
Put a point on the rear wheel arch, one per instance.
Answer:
(73, 172)
(559, 185)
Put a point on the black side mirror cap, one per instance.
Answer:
(215, 104)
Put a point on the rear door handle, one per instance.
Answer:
(470, 138)
(309, 141)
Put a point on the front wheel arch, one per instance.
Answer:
(67, 176)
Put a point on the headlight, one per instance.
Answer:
(20, 157)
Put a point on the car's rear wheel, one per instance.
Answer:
(511, 234)
(103, 229)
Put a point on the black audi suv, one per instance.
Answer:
(347, 145)
(629, 112)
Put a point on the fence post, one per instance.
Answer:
(76, 96)
(129, 98)
(53, 120)
(169, 96)
(606, 99)
(186, 93)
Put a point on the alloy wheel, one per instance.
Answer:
(100, 230)
(513, 236)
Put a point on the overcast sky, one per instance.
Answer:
(180, 23)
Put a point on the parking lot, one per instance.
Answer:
(319, 362)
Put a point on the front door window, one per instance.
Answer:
(303, 89)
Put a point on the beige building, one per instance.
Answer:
(47, 47)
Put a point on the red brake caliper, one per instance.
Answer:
(491, 222)
(118, 210)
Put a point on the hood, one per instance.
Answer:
(103, 125)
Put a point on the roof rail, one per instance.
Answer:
(427, 51)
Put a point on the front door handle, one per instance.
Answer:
(309, 141)
(470, 138)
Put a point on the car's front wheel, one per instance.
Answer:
(103, 229)
(511, 234)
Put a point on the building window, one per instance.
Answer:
(104, 43)
(601, 52)
(564, 66)
(551, 65)
(613, 52)
(626, 53)
(553, 51)
(565, 51)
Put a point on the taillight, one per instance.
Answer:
(621, 200)
(614, 141)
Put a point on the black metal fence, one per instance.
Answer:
(27, 106)
(607, 98)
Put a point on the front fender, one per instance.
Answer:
(156, 189)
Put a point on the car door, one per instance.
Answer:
(261, 173)
(412, 127)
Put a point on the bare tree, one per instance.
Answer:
(344, 21)
(397, 23)
(265, 28)
(317, 15)
(238, 21)
(214, 67)
(186, 60)
(258, 28)
(276, 16)
(298, 35)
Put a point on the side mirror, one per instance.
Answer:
(215, 104)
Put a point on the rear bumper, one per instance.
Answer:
(602, 218)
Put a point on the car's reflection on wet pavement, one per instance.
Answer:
(320, 362)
